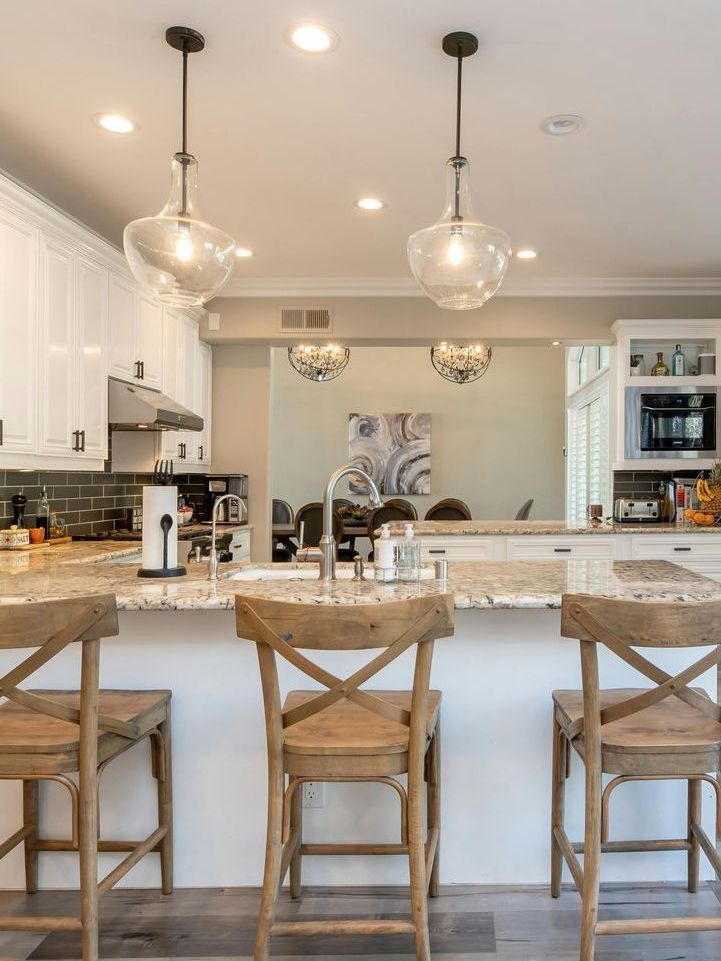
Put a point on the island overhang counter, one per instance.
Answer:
(496, 675)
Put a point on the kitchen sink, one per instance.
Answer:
(306, 573)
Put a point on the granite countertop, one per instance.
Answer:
(514, 528)
(75, 570)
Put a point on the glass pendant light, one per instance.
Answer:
(461, 364)
(180, 258)
(459, 261)
(319, 362)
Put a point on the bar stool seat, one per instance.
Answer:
(670, 727)
(24, 731)
(348, 729)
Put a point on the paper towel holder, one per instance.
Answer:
(166, 523)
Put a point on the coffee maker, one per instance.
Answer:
(230, 511)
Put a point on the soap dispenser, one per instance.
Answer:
(409, 557)
(384, 565)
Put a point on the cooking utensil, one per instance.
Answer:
(166, 522)
(163, 472)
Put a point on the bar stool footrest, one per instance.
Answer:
(356, 926)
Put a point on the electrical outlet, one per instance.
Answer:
(313, 794)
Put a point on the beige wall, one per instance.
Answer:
(242, 429)
(494, 443)
(416, 320)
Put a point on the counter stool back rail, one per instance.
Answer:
(667, 732)
(347, 733)
(49, 735)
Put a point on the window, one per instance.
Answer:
(588, 471)
(585, 363)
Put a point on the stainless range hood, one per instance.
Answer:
(132, 407)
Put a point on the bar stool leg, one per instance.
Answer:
(434, 802)
(558, 797)
(694, 817)
(88, 821)
(296, 861)
(417, 861)
(273, 856)
(31, 796)
(592, 853)
(164, 773)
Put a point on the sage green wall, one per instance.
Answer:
(494, 443)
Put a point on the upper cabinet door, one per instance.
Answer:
(150, 342)
(57, 348)
(18, 335)
(92, 360)
(188, 392)
(123, 336)
(205, 392)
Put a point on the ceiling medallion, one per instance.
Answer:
(180, 258)
(319, 362)
(459, 262)
(461, 364)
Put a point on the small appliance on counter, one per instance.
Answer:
(644, 511)
(230, 511)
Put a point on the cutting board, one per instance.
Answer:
(33, 547)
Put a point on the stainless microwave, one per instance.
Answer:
(666, 422)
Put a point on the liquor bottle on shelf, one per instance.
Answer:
(678, 362)
(659, 369)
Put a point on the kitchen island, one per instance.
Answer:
(180, 634)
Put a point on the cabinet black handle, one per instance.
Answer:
(181, 451)
(136, 365)
(142, 369)
(200, 452)
(682, 548)
(76, 440)
(82, 443)
(1, 432)
(437, 550)
(562, 550)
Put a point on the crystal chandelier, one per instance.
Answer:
(459, 261)
(461, 364)
(319, 362)
(180, 258)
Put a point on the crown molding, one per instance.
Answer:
(406, 287)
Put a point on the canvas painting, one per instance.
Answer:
(395, 449)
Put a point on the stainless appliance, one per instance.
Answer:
(132, 407)
(234, 511)
(644, 511)
(664, 422)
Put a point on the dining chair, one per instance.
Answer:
(669, 731)
(348, 733)
(523, 512)
(282, 512)
(405, 505)
(311, 517)
(449, 509)
(49, 735)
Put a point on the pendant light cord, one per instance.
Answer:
(457, 161)
(184, 148)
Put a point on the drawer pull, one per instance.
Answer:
(682, 548)
(562, 550)
(437, 551)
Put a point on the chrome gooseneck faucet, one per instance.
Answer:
(327, 541)
(213, 562)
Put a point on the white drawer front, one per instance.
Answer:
(458, 548)
(537, 547)
(240, 546)
(680, 548)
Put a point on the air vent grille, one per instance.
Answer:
(304, 318)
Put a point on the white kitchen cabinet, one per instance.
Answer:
(136, 335)
(462, 548)
(542, 547)
(205, 401)
(56, 344)
(700, 553)
(18, 335)
(91, 332)
(240, 545)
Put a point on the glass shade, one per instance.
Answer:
(176, 255)
(319, 362)
(459, 261)
(461, 364)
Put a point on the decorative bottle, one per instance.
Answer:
(43, 515)
(659, 369)
(678, 362)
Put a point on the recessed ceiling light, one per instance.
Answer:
(114, 122)
(563, 124)
(369, 203)
(312, 38)
(526, 253)
(555, 343)
(243, 252)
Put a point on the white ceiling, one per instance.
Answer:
(287, 141)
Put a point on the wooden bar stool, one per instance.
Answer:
(349, 734)
(667, 732)
(48, 735)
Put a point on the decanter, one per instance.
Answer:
(659, 369)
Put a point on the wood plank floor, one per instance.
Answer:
(467, 924)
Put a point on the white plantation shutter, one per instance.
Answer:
(588, 474)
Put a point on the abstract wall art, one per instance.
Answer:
(395, 449)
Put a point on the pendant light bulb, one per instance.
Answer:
(182, 259)
(459, 261)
